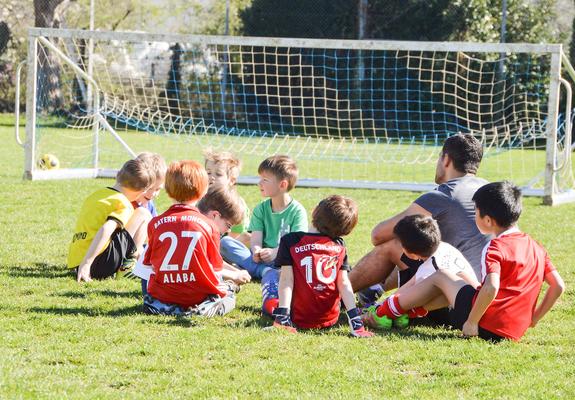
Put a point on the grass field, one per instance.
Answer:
(64, 340)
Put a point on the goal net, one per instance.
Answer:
(351, 113)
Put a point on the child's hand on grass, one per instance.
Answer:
(84, 273)
(470, 329)
(242, 277)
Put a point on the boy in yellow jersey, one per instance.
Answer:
(108, 229)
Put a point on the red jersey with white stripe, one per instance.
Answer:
(317, 262)
(184, 251)
(521, 264)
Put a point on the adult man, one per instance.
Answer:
(450, 204)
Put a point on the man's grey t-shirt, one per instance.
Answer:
(451, 206)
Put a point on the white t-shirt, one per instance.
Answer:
(446, 257)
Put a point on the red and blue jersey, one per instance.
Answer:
(317, 262)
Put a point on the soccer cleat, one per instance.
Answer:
(270, 296)
(282, 319)
(368, 297)
(125, 270)
(211, 307)
(401, 322)
(370, 318)
(356, 324)
(156, 307)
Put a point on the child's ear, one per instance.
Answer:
(284, 184)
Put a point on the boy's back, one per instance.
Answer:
(103, 204)
(184, 251)
(316, 260)
(522, 265)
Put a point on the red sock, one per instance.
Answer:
(270, 305)
(417, 312)
(390, 308)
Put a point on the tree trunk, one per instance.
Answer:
(49, 94)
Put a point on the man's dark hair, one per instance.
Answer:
(465, 151)
(418, 234)
(499, 200)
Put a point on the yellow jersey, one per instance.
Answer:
(100, 206)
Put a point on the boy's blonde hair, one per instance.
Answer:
(224, 200)
(135, 175)
(335, 216)
(232, 164)
(282, 167)
(156, 164)
(186, 181)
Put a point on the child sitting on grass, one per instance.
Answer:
(314, 269)
(514, 267)
(157, 166)
(421, 243)
(183, 247)
(108, 229)
(224, 169)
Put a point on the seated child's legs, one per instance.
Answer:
(155, 306)
(107, 263)
(234, 252)
(270, 295)
(137, 226)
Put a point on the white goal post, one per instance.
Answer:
(354, 114)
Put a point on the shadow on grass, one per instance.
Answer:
(37, 270)
(134, 294)
(135, 310)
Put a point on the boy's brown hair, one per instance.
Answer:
(335, 216)
(155, 162)
(232, 164)
(135, 175)
(282, 167)
(186, 180)
(224, 200)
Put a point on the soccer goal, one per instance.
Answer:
(364, 114)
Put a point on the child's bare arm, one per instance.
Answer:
(345, 291)
(285, 289)
(484, 298)
(353, 313)
(102, 237)
(555, 289)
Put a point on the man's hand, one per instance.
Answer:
(256, 254)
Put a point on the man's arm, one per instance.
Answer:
(486, 294)
(383, 231)
(555, 289)
(98, 244)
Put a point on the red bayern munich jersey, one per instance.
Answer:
(184, 251)
(522, 265)
(317, 261)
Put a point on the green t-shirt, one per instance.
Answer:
(243, 226)
(275, 225)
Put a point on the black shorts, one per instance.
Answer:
(107, 263)
(460, 312)
(406, 274)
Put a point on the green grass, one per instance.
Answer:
(63, 340)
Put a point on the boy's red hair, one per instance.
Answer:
(186, 181)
